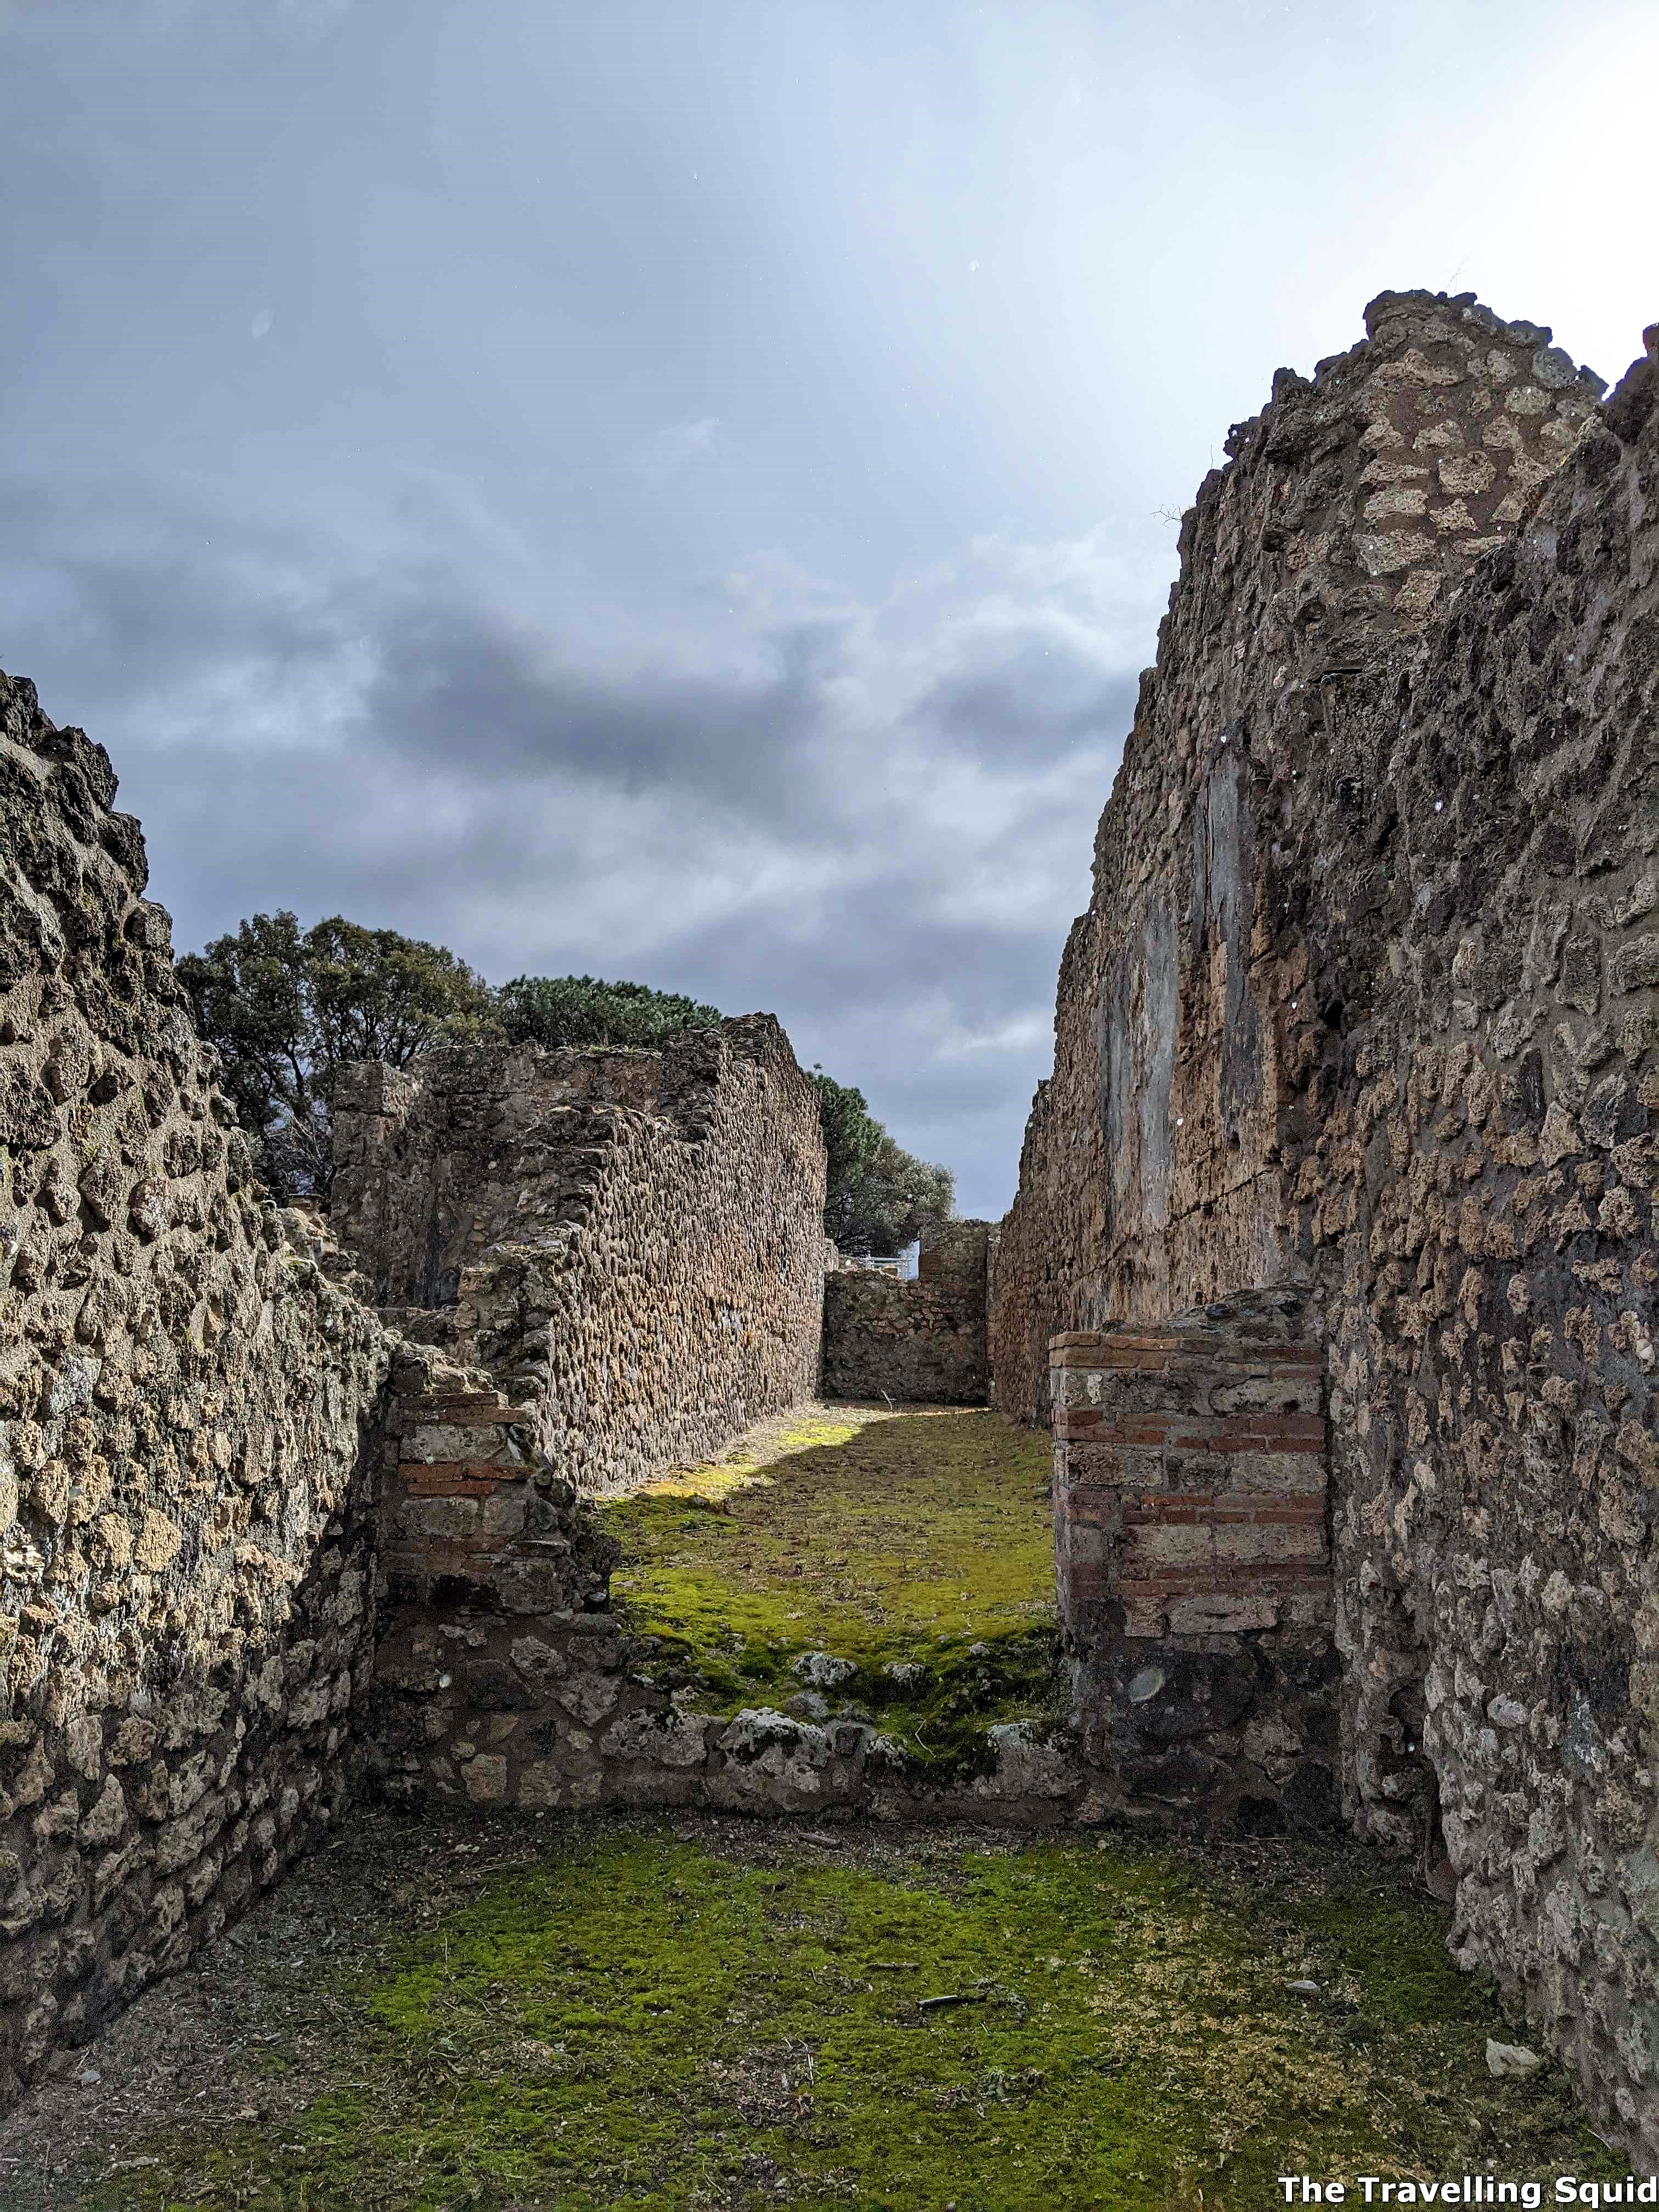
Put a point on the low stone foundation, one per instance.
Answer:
(1190, 1478)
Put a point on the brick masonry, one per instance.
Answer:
(1191, 1498)
(916, 1343)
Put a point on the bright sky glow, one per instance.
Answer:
(681, 489)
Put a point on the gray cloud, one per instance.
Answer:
(846, 814)
(670, 490)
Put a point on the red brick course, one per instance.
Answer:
(1236, 1523)
(455, 1478)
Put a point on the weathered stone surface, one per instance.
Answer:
(915, 1343)
(1364, 1005)
(187, 1407)
(1194, 1573)
(630, 1243)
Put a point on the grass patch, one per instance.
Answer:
(860, 1533)
(715, 2017)
(917, 1547)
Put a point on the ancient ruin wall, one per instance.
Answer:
(186, 1602)
(631, 1242)
(1193, 1556)
(1476, 1179)
(1365, 1000)
(1150, 1175)
(919, 1343)
(502, 1677)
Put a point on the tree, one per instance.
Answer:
(879, 1196)
(564, 1010)
(287, 1008)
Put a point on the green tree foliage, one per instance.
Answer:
(880, 1197)
(562, 1010)
(286, 1007)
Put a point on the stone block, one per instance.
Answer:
(540, 1786)
(673, 1740)
(1221, 1612)
(540, 1663)
(587, 1698)
(1026, 1768)
(485, 1777)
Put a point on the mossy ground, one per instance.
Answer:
(919, 1541)
(724, 2014)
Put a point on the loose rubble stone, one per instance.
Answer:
(1504, 2060)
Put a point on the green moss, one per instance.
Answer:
(646, 2021)
(1370, 1933)
(919, 1541)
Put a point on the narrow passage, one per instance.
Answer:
(450, 2009)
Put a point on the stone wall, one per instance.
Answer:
(1194, 1563)
(1150, 1176)
(915, 1343)
(187, 1406)
(1366, 1003)
(631, 1242)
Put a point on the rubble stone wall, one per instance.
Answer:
(1151, 1178)
(631, 1242)
(1366, 1003)
(917, 1343)
(187, 1409)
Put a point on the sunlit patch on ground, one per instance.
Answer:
(915, 1546)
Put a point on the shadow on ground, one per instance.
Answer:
(710, 2014)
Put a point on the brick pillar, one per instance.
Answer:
(472, 1514)
(1193, 1558)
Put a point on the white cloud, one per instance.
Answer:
(873, 819)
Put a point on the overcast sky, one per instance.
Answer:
(683, 489)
